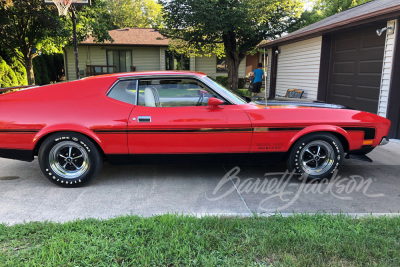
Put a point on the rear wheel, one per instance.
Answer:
(318, 155)
(69, 159)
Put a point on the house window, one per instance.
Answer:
(121, 59)
(222, 66)
(175, 61)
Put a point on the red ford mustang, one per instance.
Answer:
(173, 117)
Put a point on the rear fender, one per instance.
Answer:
(66, 128)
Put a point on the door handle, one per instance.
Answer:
(144, 118)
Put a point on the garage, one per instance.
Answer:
(342, 59)
(355, 69)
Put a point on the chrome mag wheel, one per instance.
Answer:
(69, 160)
(317, 157)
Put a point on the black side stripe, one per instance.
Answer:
(201, 130)
(18, 131)
(272, 129)
(369, 133)
(176, 131)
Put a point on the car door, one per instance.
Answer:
(110, 121)
(172, 117)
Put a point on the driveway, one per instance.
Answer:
(358, 188)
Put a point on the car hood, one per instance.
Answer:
(284, 103)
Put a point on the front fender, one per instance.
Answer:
(321, 128)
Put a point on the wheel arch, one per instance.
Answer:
(42, 136)
(338, 132)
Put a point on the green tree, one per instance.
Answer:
(182, 47)
(240, 25)
(26, 26)
(323, 9)
(135, 13)
(94, 20)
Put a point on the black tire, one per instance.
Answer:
(317, 154)
(69, 159)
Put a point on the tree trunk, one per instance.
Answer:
(29, 70)
(233, 72)
(233, 58)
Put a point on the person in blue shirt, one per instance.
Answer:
(258, 79)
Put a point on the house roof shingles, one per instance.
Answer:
(132, 37)
(374, 9)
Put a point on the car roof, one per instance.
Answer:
(155, 73)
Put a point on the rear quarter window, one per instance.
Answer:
(124, 91)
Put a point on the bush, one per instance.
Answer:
(48, 68)
(7, 75)
(45, 70)
(37, 70)
(244, 92)
(20, 72)
(242, 82)
(41, 71)
(59, 66)
(223, 80)
(49, 60)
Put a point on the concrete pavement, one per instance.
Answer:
(359, 187)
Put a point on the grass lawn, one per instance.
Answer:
(173, 240)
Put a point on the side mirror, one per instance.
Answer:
(213, 103)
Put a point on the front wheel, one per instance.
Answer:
(317, 155)
(69, 159)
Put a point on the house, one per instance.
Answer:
(137, 49)
(351, 58)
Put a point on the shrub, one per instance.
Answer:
(49, 60)
(242, 83)
(59, 66)
(48, 68)
(7, 75)
(41, 71)
(37, 69)
(223, 80)
(243, 92)
(20, 72)
(45, 70)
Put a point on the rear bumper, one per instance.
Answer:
(365, 149)
(384, 141)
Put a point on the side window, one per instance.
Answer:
(174, 93)
(124, 91)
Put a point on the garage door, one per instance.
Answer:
(355, 69)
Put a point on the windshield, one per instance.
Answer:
(238, 99)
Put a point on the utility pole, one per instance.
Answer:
(75, 41)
